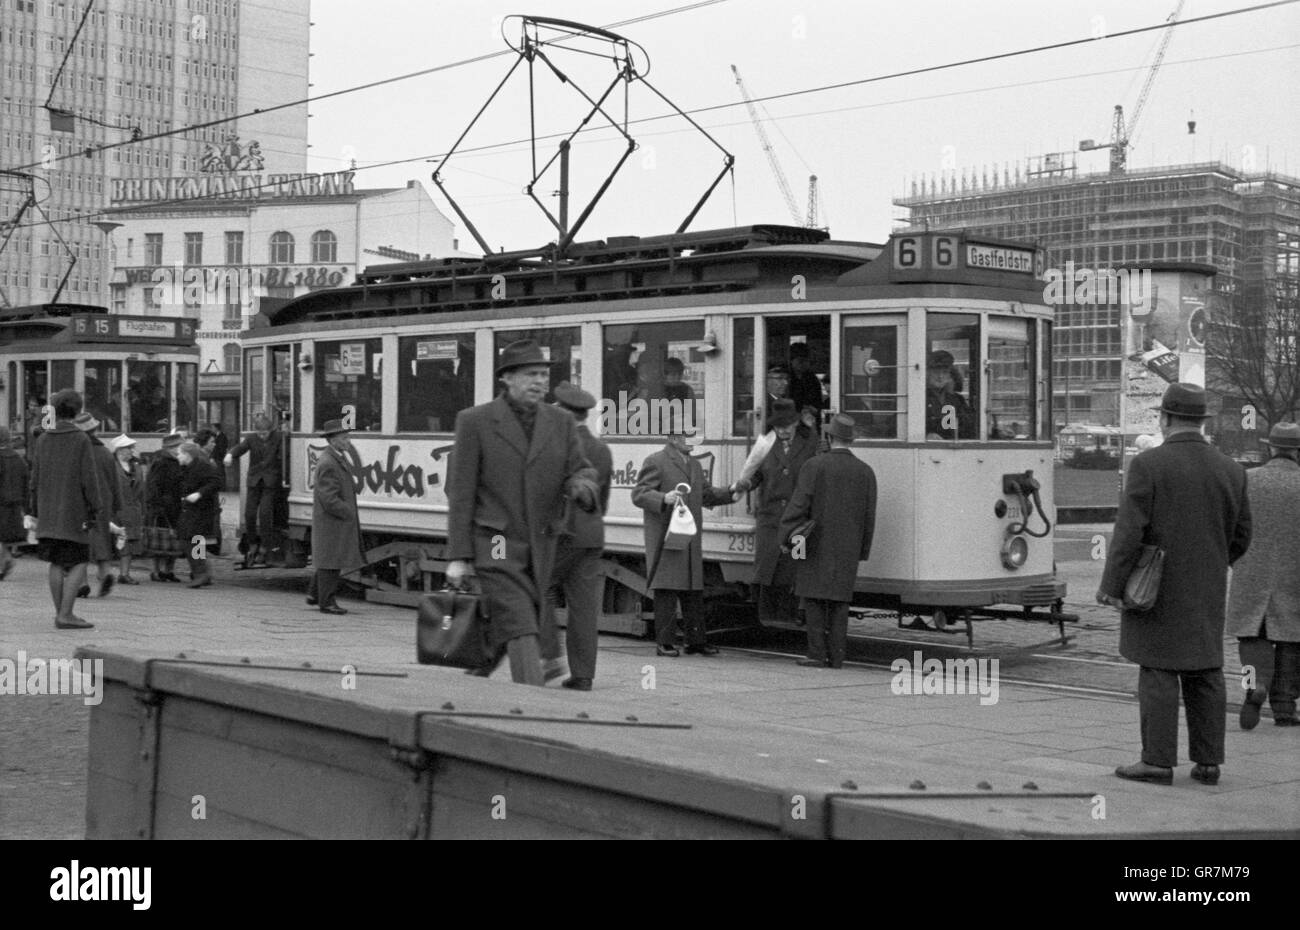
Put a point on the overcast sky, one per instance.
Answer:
(1237, 75)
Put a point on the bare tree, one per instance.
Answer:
(1254, 352)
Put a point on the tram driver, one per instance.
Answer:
(946, 410)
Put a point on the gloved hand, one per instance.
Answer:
(584, 493)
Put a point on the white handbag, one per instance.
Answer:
(681, 527)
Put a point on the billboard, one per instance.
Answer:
(1163, 330)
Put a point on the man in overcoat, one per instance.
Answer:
(838, 491)
(577, 556)
(66, 499)
(1264, 598)
(775, 479)
(262, 488)
(1188, 498)
(676, 574)
(335, 525)
(514, 463)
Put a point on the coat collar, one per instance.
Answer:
(1281, 462)
(1186, 437)
(63, 426)
(508, 427)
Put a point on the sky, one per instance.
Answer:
(865, 143)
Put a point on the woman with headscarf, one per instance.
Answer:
(200, 485)
(163, 501)
(13, 497)
(130, 485)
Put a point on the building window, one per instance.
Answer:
(324, 247)
(194, 248)
(153, 248)
(231, 352)
(282, 249)
(234, 248)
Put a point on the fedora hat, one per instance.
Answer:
(784, 413)
(86, 422)
(121, 442)
(841, 427)
(521, 353)
(572, 396)
(1184, 400)
(333, 428)
(173, 441)
(1284, 436)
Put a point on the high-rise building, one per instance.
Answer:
(1244, 224)
(150, 66)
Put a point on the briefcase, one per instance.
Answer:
(1144, 583)
(452, 629)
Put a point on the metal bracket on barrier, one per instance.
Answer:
(304, 668)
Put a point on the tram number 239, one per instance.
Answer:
(740, 542)
(910, 252)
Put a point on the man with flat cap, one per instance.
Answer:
(1264, 598)
(335, 525)
(837, 491)
(516, 460)
(577, 573)
(1189, 499)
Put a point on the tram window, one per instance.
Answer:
(282, 377)
(653, 371)
(148, 396)
(435, 381)
(254, 371)
(187, 393)
(952, 376)
(1011, 379)
(870, 368)
(63, 375)
(742, 377)
(562, 346)
(350, 373)
(103, 394)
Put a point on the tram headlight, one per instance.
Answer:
(1015, 551)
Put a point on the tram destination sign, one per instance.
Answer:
(107, 327)
(918, 256)
(999, 258)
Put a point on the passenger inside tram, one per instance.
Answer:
(948, 415)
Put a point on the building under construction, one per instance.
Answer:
(1244, 224)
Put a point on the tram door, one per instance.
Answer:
(796, 362)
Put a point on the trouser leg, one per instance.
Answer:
(1286, 679)
(1257, 656)
(268, 536)
(252, 526)
(666, 617)
(1158, 715)
(548, 628)
(311, 588)
(525, 660)
(1206, 698)
(327, 583)
(837, 632)
(584, 588)
(816, 628)
(693, 617)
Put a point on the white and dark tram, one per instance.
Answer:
(962, 525)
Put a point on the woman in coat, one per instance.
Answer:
(13, 497)
(200, 485)
(131, 489)
(163, 502)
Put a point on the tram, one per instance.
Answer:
(963, 520)
(137, 374)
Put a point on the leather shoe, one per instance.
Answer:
(703, 649)
(811, 663)
(312, 602)
(333, 610)
(106, 585)
(1205, 774)
(667, 651)
(1286, 722)
(83, 591)
(1249, 717)
(577, 684)
(203, 581)
(1140, 771)
(76, 623)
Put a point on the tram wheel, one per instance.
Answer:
(940, 619)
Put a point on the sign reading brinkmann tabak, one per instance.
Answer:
(232, 187)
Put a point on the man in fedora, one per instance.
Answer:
(1188, 498)
(335, 527)
(793, 445)
(838, 492)
(1264, 599)
(577, 559)
(515, 462)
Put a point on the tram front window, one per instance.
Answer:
(104, 392)
(1011, 379)
(187, 395)
(148, 396)
(952, 376)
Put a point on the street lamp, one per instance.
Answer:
(107, 227)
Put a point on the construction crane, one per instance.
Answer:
(1119, 134)
(810, 220)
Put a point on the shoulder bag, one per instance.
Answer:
(1143, 586)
